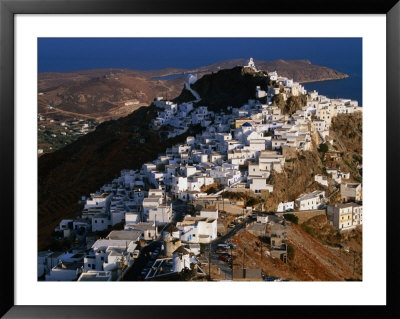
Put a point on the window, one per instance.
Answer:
(95, 221)
(102, 258)
(102, 221)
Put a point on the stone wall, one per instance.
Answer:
(306, 214)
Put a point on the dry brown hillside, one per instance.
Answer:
(346, 132)
(310, 261)
(297, 178)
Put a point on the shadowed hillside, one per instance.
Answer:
(90, 162)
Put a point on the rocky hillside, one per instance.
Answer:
(99, 95)
(297, 178)
(112, 93)
(231, 87)
(346, 132)
(299, 172)
(308, 260)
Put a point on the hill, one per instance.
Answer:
(230, 87)
(98, 157)
(88, 163)
(309, 259)
(104, 94)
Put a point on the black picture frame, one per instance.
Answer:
(9, 8)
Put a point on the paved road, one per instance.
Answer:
(134, 273)
(225, 267)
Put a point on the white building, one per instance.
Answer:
(310, 201)
(258, 184)
(321, 179)
(197, 229)
(100, 222)
(283, 207)
(210, 213)
(94, 275)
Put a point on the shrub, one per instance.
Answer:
(292, 218)
(307, 229)
(252, 201)
(323, 148)
(290, 252)
(267, 134)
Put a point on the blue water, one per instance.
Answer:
(169, 77)
(72, 54)
(346, 88)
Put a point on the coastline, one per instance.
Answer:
(326, 79)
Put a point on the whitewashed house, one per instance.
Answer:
(310, 201)
(285, 206)
(321, 179)
(197, 229)
(100, 222)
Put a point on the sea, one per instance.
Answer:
(349, 88)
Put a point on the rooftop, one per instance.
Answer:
(95, 276)
(311, 195)
(132, 235)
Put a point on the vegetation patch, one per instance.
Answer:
(292, 218)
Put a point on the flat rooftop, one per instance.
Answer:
(95, 276)
(132, 235)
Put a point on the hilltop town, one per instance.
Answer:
(243, 199)
(67, 102)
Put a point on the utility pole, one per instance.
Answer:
(244, 253)
(232, 264)
(155, 226)
(209, 261)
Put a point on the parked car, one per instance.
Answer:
(233, 246)
(220, 250)
(225, 258)
(219, 234)
(231, 225)
(226, 246)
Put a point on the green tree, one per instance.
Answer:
(323, 148)
(292, 218)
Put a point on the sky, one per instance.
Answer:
(72, 54)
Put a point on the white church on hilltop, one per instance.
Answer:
(250, 64)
